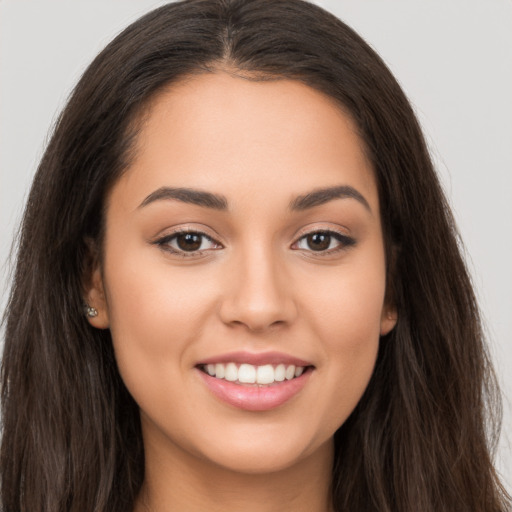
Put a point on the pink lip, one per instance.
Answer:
(254, 397)
(256, 359)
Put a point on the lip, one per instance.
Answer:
(255, 397)
(256, 359)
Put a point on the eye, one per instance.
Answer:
(324, 242)
(187, 243)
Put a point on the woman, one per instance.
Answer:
(277, 314)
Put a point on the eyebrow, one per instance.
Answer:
(324, 195)
(188, 195)
(219, 202)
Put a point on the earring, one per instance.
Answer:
(90, 311)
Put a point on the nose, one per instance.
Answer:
(258, 293)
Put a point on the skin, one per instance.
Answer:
(257, 287)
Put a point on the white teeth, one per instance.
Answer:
(250, 374)
(231, 372)
(220, 371)
(290, 372)
(280, 373)
(247, 373)
(265, 374)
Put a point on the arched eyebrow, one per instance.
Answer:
(219, 202)
(324, 195)
(188, 195)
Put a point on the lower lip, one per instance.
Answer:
(252, 397)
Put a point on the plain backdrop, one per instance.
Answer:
(453, 59)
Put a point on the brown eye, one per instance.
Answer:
(324, 242)
(318, 241)
(189, 241)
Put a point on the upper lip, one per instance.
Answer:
(256, 359)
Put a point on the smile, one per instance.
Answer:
(255, 382)
(251, 374)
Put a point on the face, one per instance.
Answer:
(243, 277)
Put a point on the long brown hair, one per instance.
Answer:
(423, 434)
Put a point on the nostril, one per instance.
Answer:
(257, 297)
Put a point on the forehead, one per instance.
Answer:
(246, 138)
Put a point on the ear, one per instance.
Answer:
(388, 319)
(94, 289)
(389, 315)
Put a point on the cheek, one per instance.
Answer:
(346, 319)
(155, 315)
(346, 303)
(150, 300)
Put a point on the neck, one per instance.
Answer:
(188, 484)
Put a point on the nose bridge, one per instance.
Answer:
(259, 295)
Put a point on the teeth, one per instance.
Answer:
(231, 372)
(220, 371)
(265, 374)
(247, 373)
(250, 374)
(279, 373)
(290, 372)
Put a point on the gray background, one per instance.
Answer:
(453, 59)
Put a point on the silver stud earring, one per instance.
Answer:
(90, 311)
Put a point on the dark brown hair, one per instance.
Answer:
(422, 436)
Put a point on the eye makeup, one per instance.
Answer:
(188, 242)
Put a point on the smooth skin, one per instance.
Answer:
(259, 281)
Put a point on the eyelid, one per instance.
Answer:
(163, 241)
(345, 241)
(319, 227)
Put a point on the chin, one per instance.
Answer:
(250, 462)
(264, 453)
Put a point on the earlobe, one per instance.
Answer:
(388, 320)
(96, 308)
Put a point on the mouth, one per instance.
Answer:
(249, 374)
(255, 382)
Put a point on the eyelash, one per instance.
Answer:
(164, 243)
(344, 241)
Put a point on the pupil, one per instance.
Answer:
(319, 241)
(189, 241)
